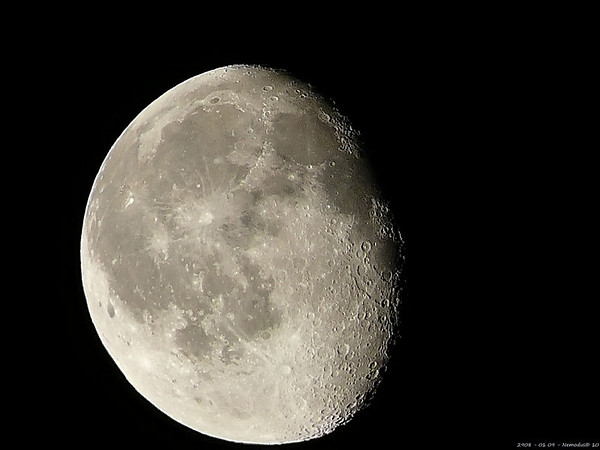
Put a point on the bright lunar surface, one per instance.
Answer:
(239, 262)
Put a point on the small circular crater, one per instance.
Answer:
(324, 117)
(266, 335)
(110, 309)
(215, 100)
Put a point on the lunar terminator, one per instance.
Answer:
(239, 260)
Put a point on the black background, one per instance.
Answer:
(477, 133)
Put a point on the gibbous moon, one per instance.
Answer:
(239, 262)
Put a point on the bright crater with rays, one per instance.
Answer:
(240, 264)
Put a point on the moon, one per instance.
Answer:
(239, 259)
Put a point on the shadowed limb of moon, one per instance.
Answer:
(239, 262)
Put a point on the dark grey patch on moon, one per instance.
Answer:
(304, 139)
